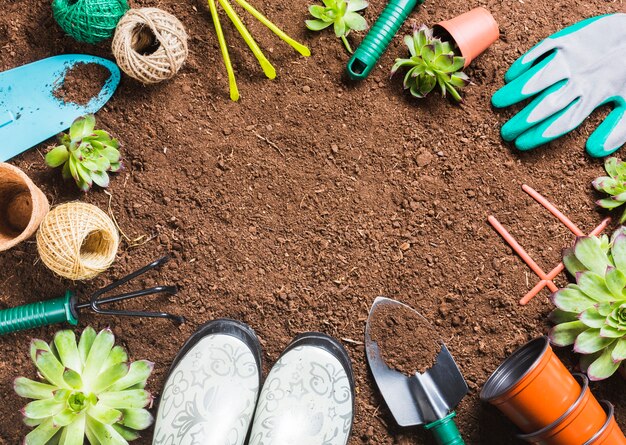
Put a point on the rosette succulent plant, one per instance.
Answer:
(591, 314)
(342, 14)
(614, 185)
(433, 62)
(86, 154)
(88, 389)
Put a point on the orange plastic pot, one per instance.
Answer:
(473, 32)
(610, 434)
(532, 387)
(579, 423)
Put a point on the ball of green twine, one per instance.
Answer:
(89, 21)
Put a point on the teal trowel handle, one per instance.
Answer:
(445, 431)
(379, 37)
(42, 313)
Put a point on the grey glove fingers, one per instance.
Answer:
(548, 103)
(526, 61)
(610, 134)
(541, 76)
(554, 127)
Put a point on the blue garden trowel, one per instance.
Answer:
(29, 112)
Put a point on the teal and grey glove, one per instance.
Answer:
(571, 73)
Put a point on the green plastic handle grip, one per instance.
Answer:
(445, 431)
(379, 37)
(42, 313)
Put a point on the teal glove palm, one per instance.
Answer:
(571, 73)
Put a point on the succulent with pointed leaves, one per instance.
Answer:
(342, 14)
(614, 185)
(86, 154)
(591, 314)
(89, 389)
(433, 62)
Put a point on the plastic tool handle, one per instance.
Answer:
(38, 314)
(379, 37)
(445, 431)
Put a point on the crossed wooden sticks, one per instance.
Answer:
(545, 278)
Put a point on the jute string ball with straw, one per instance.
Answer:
(89, 21)
(150, 45)
(77, 241)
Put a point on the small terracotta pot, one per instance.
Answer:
(532, 387)
(610, 433)
(473, 32)
(579, 423)
(22, 206)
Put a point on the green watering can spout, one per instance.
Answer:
(379, 37)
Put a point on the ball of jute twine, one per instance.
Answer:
(150, 45)
(89, 21)
(77, 240)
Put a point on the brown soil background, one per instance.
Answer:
(363, 192)
(81, 83)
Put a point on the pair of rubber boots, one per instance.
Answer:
(211, 395)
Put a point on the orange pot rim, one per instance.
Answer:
(560, 423)
(609, 409)
(491, 391)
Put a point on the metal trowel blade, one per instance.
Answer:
(29, 112)
(421, 398)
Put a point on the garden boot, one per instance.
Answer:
(308, 396)
(212, 387)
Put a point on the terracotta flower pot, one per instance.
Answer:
(579, 423)
(473, 32)
(610, 433)
(22, 206)
(532, 387)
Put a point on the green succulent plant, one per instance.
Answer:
(342, 14)
(433, 62)
(614, 185)
(591, 313)
(88, 389)
(86, 154)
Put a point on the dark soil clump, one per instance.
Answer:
(405, 339)
(82, 82)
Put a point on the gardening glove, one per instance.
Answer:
(572, 72)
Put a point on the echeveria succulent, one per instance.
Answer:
(614, 185)
(591, 314)
(88, 390)
(433, 62)
(342, 14)
(86, 154)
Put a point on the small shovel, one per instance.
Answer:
(422, 399)
(29, 112)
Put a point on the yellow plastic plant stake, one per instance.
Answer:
(267, 67)
(275, 29)
(232, 82)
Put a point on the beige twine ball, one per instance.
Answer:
(77, 241)
(150, 45)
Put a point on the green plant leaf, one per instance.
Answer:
(86, 341)
(65, 342)
(594, 286)
(65, 172)
(590, 341)
(65, 417)
(428, 52)
(610, 332)
(112, 154)
(571, 299)
(317, 11)
(104, 414)
(610, 165)
(100, 350)
(74, 434)
(357, 5)
(565, 334)
(137, 419)
(42, 434)
(592, 318)
(33, 390)
(459, 80)
(104, 434)
(101, 178)
(72, 379)
(317, 25)
(606, 184)
(82, 127)
(50, 368)
(615, 281)
(608, 203)
(558, 316)
(355, 21)
(57, 156)
(38, 345)
(427, 84)
(619, 350)
(589, 252)
(126, 433)
(40, 409)
(109, 376)
(571, 263)
(340, 27)
(138, 374)
(118, 355)
(135, 398)
(618, 252)
(603, 367)
(409, 41)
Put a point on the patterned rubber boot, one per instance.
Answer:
(308, 397)
(212, 387)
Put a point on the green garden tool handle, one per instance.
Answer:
(379, 37)
(42, 313)
(445, 431)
